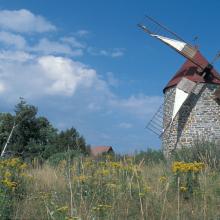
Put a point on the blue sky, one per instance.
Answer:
(86, 64)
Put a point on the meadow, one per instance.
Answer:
(110, 187)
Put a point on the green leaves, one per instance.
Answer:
(35, 136)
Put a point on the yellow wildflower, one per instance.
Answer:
(187, 167)
(103, 172)
(81, 178)
(163, 179)
(23, 166)
(116, 165)
(147, 188)
(13, 162)
(183, 189)
(9, 183)
(7, 174)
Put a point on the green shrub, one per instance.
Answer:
(55, 159)
(150, 156)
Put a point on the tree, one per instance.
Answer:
(6, 124)
(71, 139)
(35, 136)
(31, 134)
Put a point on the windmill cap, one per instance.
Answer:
(191, 72)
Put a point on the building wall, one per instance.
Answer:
(199, 118)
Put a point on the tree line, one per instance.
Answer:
(34, 136)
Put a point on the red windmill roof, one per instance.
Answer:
(190, 71)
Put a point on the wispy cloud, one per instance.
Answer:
(24, 21)
(72, 41)
(48, 47)
(14, 40)
(114, 53)
(139, 105)
(111, 79)
(118, 52)
(125, 125)
(7, 56)
(82, 33)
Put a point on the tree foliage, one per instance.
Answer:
(35, 136)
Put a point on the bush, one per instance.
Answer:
(150, 156)
(55, 159)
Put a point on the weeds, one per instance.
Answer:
(12, 184)
(110, 188)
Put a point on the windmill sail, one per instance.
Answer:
(157, 30)
(180, 98)
(183, 90)
(182, 47)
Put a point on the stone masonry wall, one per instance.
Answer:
(199, 118)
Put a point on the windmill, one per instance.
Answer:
(192, 93)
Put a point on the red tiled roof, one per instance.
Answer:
(95, 151)
(190, 71)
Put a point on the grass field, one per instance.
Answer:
(109, 189)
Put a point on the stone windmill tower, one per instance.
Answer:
(191, 108)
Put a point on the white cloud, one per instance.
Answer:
(139, 105)
(112, 80)
(16, 56)
(94, 107)
(15, 40)
(103, 53)
(82, 33)
(114, 53)
(73, 42)
(31, 76)
(42, 69)
(24, 21)
(2, 87)
(125, 125)
(118, 52)
(65, 74)
(47, 47)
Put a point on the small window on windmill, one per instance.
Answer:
(217, 94)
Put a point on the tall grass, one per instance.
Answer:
(144, 186)
(108, 189)
(201, 151)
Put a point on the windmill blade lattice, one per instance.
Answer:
(153, 27)
(156, 123)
